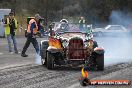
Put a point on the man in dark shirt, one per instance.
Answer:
(31, 38)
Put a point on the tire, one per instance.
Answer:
(50, 61)
(95, 44)
(43, 61)
(100, 62)
(43, 49)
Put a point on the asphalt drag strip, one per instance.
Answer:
(37, 76)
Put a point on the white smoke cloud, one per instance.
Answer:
(117, 49)
(120, 17)
(38, 59)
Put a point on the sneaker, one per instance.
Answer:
(24, 55)
(11, 52)
(17, 52)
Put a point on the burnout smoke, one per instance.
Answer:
(38, 59)
(117, 49)
(120, 18)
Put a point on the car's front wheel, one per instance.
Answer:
(50, 60)
(43, 48)
(43, 61)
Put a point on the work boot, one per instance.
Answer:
(24, 55)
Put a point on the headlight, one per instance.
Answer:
(86, 44)
(57, 36)
(64, 43)
(86, 38)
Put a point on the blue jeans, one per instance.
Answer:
(13, 38)
(81, 28)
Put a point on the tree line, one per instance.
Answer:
(54, 10)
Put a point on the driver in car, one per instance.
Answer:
(64, 25)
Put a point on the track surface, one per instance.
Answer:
(37, 76)
(18, 72)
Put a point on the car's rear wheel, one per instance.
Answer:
(100, 62)
(50, 60)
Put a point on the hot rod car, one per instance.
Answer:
(67, 45)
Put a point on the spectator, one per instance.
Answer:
(11, 25)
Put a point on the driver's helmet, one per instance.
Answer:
(64, 24)
(64, 21)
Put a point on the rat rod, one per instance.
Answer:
(67, 45)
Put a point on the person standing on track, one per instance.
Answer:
(82, 24)
(11, 25)
(31, 32)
